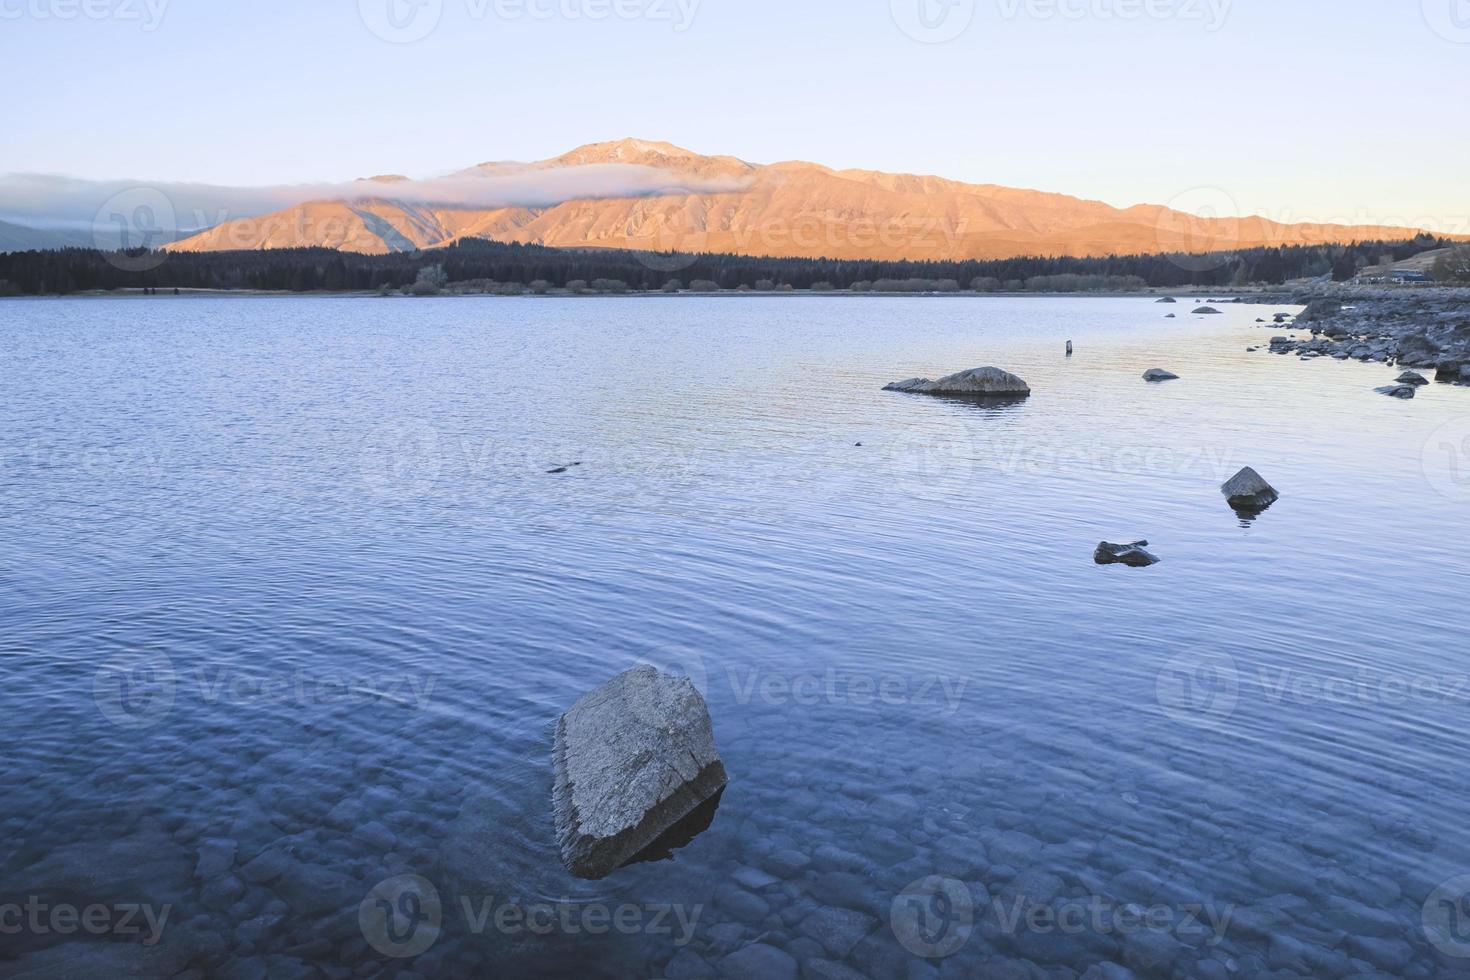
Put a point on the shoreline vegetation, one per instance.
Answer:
(491, 268)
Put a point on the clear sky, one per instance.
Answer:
(1343, 110)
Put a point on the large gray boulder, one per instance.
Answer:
(631, 759)
(982, 381)
(1246, 490)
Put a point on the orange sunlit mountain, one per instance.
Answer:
(785, 209)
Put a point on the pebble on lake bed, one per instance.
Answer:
(631, 760)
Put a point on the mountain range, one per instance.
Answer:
(728, 205)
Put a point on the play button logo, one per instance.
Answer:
(933, 21)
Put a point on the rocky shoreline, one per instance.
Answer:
(1427, 330)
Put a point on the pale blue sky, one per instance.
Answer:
(1343, 110)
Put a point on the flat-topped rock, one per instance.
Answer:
(1207, 309)
(982, 381)
(1132, 554)
(631, 760)
(1159, 374)
(1246, 490)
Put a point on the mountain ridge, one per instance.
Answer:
(787, 209)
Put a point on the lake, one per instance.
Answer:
(292, 602)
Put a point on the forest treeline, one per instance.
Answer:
(536, 268)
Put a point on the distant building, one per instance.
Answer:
(1398, 277)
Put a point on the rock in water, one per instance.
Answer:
(1124, 554)
(631, 759)
(1159, 374)
(1168, 299)
(1247, 491)
(1412, 378)
(1397, 391)
(983, 382)
(1207, 309)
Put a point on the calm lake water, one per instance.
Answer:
(291, 603)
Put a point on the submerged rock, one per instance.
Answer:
(631, 760)
(1159, 374)
(1246, 490)
(983, 381)
(1132, 554)
(1397, 391)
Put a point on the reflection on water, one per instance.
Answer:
(291, 603)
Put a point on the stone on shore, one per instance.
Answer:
(1207, 309)
(983, 382)
(631, 760)
(1132, 554)
(1397, 391)
(1246, 490)
(1159, 374)
(1412, 378)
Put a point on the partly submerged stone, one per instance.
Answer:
(632, 759)
(1412, 378)
(1397, 391)
(1207, 309)
(982, 381)
(1124, 554)
(1246, 490)
(1168, 299)
(1159, 374)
